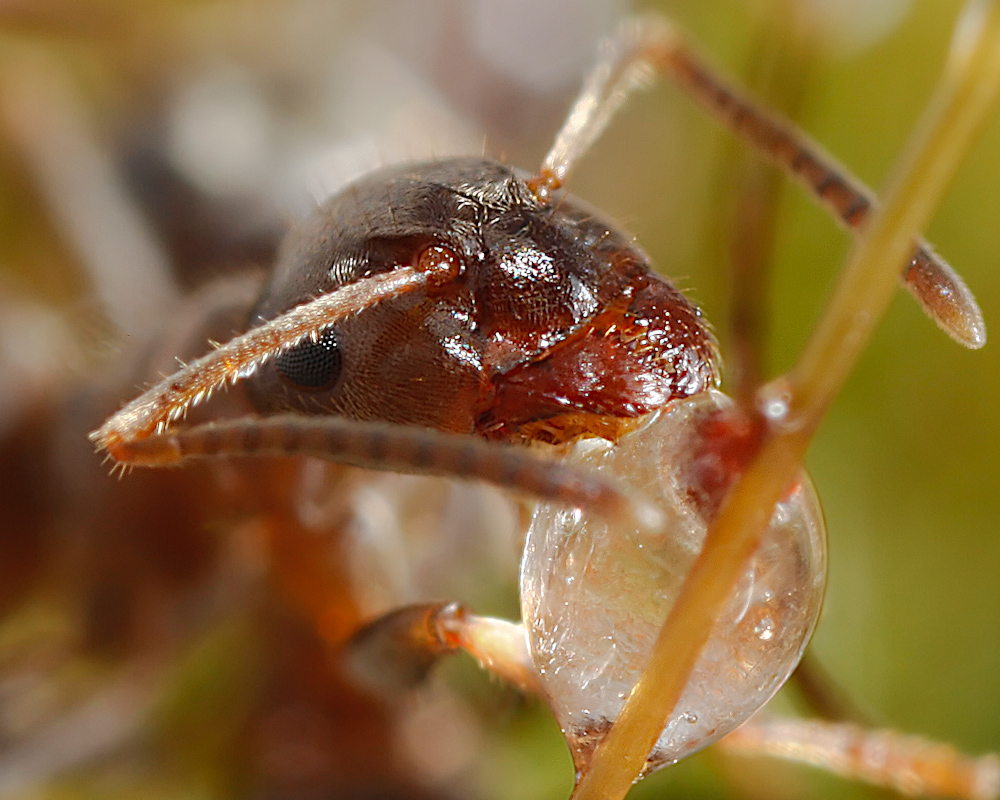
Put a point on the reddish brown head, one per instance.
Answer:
(555, 327)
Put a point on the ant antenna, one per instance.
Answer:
(646, 47)
(155, 409)
(397, 448)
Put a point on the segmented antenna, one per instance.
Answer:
(648, 46)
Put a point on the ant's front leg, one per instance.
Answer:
(910, 765)
(395, 652)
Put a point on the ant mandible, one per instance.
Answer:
(435, 317)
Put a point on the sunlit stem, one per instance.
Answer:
(965, 95)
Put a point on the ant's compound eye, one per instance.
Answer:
(313, 365)
(595, 595)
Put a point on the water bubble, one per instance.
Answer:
(775, 408)
(590, 636)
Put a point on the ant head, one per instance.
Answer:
(552, 326)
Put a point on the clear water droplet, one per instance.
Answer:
(590, 636)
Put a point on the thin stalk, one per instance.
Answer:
(797, 403)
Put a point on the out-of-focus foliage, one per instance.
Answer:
(219, 122)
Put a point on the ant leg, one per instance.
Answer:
(910, 765)
(649, 45)
(395, 652)
(395, 448)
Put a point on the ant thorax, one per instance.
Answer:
(555, 328)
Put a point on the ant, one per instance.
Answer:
(298, 361)
(439, 317)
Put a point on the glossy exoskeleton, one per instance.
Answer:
(555, 328)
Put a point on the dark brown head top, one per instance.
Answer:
(555, 328)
